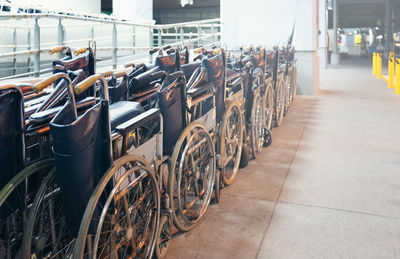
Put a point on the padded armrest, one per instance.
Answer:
(47, 115)
(237, 81)
(195, 92)
(130, 125)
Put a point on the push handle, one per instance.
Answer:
(115, 74)
(129, 65)
(80, 51)
(197, 57)
(57, 49)
(40, 86)
(198, 50)
(88, 82)
(152, 51)
(49, 81)
(108, 73)
(85, 84)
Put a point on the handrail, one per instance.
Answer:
(145, 35)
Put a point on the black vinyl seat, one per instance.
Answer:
(123, 111)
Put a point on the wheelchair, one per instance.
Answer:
(26, 156)
(250, 66)
(193, 156)
(281, 85)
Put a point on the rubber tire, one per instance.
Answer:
(92, 204)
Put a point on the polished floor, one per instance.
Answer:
(328, 186)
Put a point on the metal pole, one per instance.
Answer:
(36, 46)
(60, 37)
(29, 47)
(151, 42)
(15, 49)
(134, 38)
(198, 35)
(182, 36)
(159, 40)
(92, 33)
(212, 33)
(114, 42)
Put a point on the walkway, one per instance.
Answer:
(328, 187)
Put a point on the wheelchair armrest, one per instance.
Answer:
(47, 115)
(130, 125)
(196, 92)
(237, 80)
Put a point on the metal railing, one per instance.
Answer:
(31, 36)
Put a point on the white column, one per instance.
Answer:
(335, 58)
(323, 35)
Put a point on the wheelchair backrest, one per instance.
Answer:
(86, 62)
(216, 68)
(258, 59)
(11, 133)
(118, 90)
(171, 99)
(81, 149)
(169, 63)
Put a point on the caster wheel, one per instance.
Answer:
(267, 137)
(217, 187)
(163, 236)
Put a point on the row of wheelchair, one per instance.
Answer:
(98, 165)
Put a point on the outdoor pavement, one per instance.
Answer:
(327, 187)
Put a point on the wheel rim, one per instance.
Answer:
(232, 146)
(279, 109)
(163, 237)
(193, 178)
(15, 204)
(47, 234)
(128, 220)
(269, 107)
(257, 125)
(118, 190)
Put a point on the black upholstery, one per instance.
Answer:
(142, 81)
(47, 115)
(123, 111)
(168, 63)
(81, 149)
(216, 74)
(171, 98)
(11, 131)
(118, 91)
(189, 69)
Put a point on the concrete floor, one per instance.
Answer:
(328, 187)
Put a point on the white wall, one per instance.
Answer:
(270, 22)
(255, 22)
(92, 6)
(133, 9)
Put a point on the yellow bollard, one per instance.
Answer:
(374, 63)
(391, 70)
(397, 75)
(379, 66)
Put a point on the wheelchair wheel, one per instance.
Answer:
(15, 202)
(269, 105)
(192, 176)
(293, 85)
(257, 124)
(230, 143)
(287, 84)
(46, 234)
(244, 158)
(279, 103)
(163, 236)
(123, 214)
